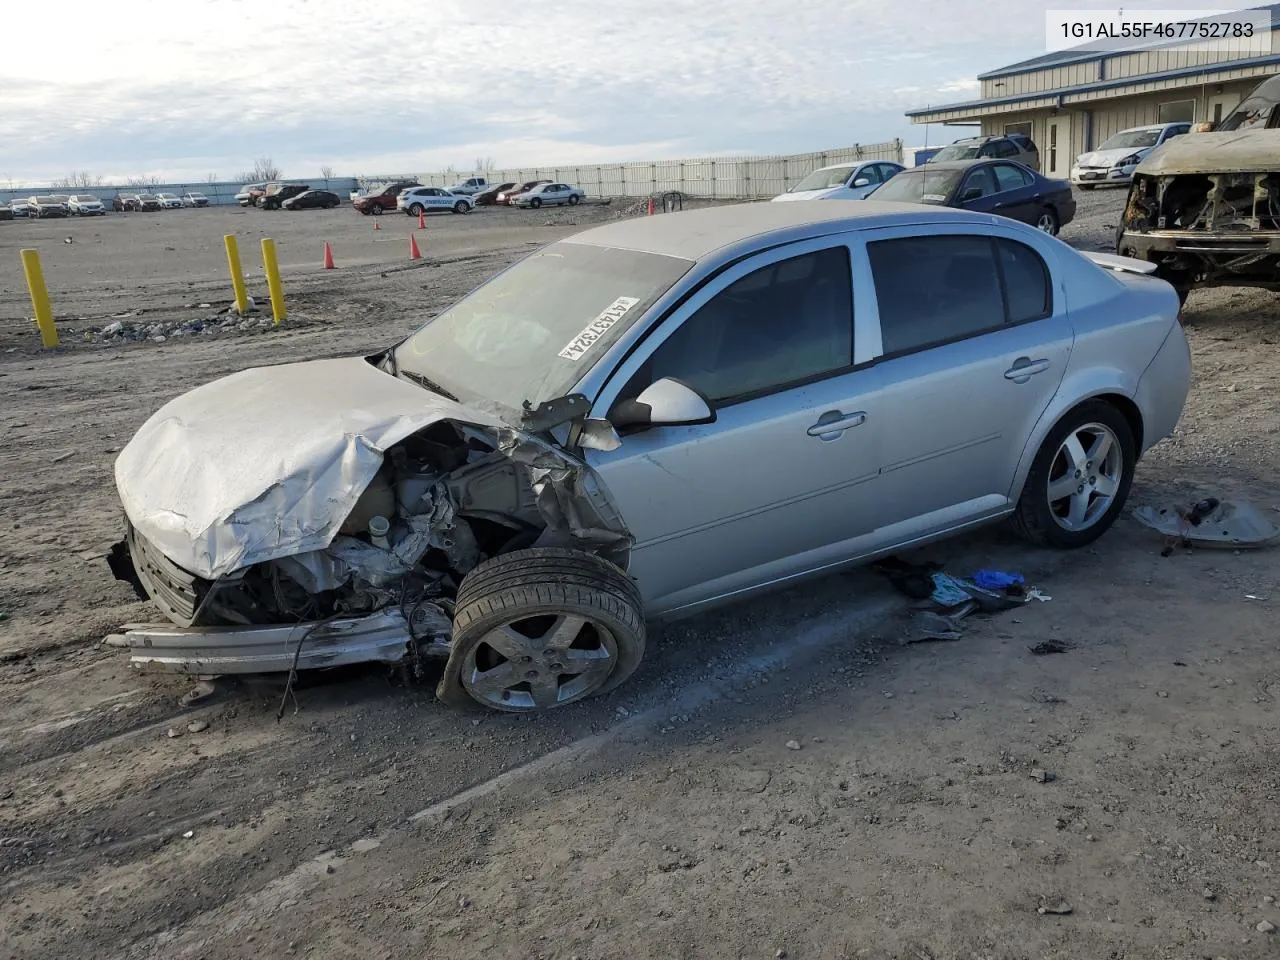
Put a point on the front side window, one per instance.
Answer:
(783, 324)
(978, 184)
(933, 290)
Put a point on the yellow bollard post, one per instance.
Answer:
(39, 297)
(271, 267)
(237, 275)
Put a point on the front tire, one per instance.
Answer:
(462, 207)
(536, 202)
(574, 200)
(542, 627)
(376, 211)
(1079, 480)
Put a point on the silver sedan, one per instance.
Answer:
(640, 421)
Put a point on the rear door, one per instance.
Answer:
(1015, 195)
(973, 345)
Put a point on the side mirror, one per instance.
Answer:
(862, 182)
(665, 403)
(973, 193)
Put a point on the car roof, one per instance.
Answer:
(960, 164)
(696, 234)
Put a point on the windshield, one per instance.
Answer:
(958, 151)
(44, 200)
(920, 185)
(533, 331)
(1131, 139)
(824, 179)
(1257, 111)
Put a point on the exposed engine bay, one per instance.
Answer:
(1201, 224)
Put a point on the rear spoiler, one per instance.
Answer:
(1120, 264)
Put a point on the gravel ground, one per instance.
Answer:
(784, 778)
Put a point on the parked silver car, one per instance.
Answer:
(549, 194)
(643, 420)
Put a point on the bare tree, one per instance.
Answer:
(484, 164)
(81, 178)
(264, 168)
(146, 181)
(327, 172)
(212, 178)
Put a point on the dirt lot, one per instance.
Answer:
(781, 779)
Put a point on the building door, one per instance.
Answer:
(1221, 106)
(1057, 148)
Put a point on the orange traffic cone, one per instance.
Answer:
(328, 256)
(651, 206)
(414, 252)
(376, 224)
(422, 220)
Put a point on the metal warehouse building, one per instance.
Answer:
(1070, 101)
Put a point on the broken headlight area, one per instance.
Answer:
(1206, 228)
(443, 500)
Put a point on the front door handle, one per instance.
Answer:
(835, 422)
(1024, 368)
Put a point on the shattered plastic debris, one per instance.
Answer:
(1046, 647)
(1211, 523)
(997, 579)
(927, 625)
(948, 591)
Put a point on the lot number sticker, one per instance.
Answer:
(598, 327)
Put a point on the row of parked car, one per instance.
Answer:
(90, 205)
(413, 198)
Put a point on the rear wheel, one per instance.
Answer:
(417, 210)
(1080, 478)
(542, 627)
(1047, 221)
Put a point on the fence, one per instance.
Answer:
(222, 192)
(720, 178)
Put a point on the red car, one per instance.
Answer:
(506, 196)
(124, 201)
(384, 199)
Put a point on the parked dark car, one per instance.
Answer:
(148, 201)
(986, 186)
(489, 195)
(42, 207)
(6, 212)
(383, 200)
(506, 196)
(312, 199)
(277, 195)
(124, 201)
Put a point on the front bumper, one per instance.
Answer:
(381, 637)
(1091, 176)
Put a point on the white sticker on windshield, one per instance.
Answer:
(934, 197)
(597, 328)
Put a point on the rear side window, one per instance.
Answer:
(1004, 148)
(933, 290)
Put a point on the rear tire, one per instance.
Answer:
(416, 210)
(542, 627)
(1066, 504)
(1047, 221)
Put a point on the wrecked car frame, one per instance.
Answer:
(1205, 208)
(517, 485)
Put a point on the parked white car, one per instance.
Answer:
(470, 186)
(193, 199)
(416, 200)
(843, 181)
(169, 201)
(1115, 160)
(21, 208)
(84, 205)
(550, 194)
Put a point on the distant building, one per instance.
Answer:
(1072, 100)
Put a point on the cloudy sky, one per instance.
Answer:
(186, 88)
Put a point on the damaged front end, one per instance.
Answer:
(350, 545)
(1207, 211)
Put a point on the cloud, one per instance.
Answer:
(403, 87)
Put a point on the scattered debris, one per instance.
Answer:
(198, 726)
(927, 625)
(63, 456)
(1046, 647)
(1252, 596)
(1035, 594)
(219, 323)
(1265, 926)
(997, 579)
(1209, 894)
(188, 835)
(913, 579)
(793, 744)
(1056, 907)
(1043, 776)
(174, 733)
(1210, 523)
(202, 691)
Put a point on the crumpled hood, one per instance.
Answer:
(810, 194)
(1107, 158)
(268, 462)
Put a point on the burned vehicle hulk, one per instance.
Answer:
(1205, 208)
(643, 420)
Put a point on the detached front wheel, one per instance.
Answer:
(540, 628)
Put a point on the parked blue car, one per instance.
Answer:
(1004, 187)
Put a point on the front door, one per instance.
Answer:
(1220, 107)
(787, 472)
(1057, 155)
(974, 346)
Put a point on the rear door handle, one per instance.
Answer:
(834, 422)
(1024, 368)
